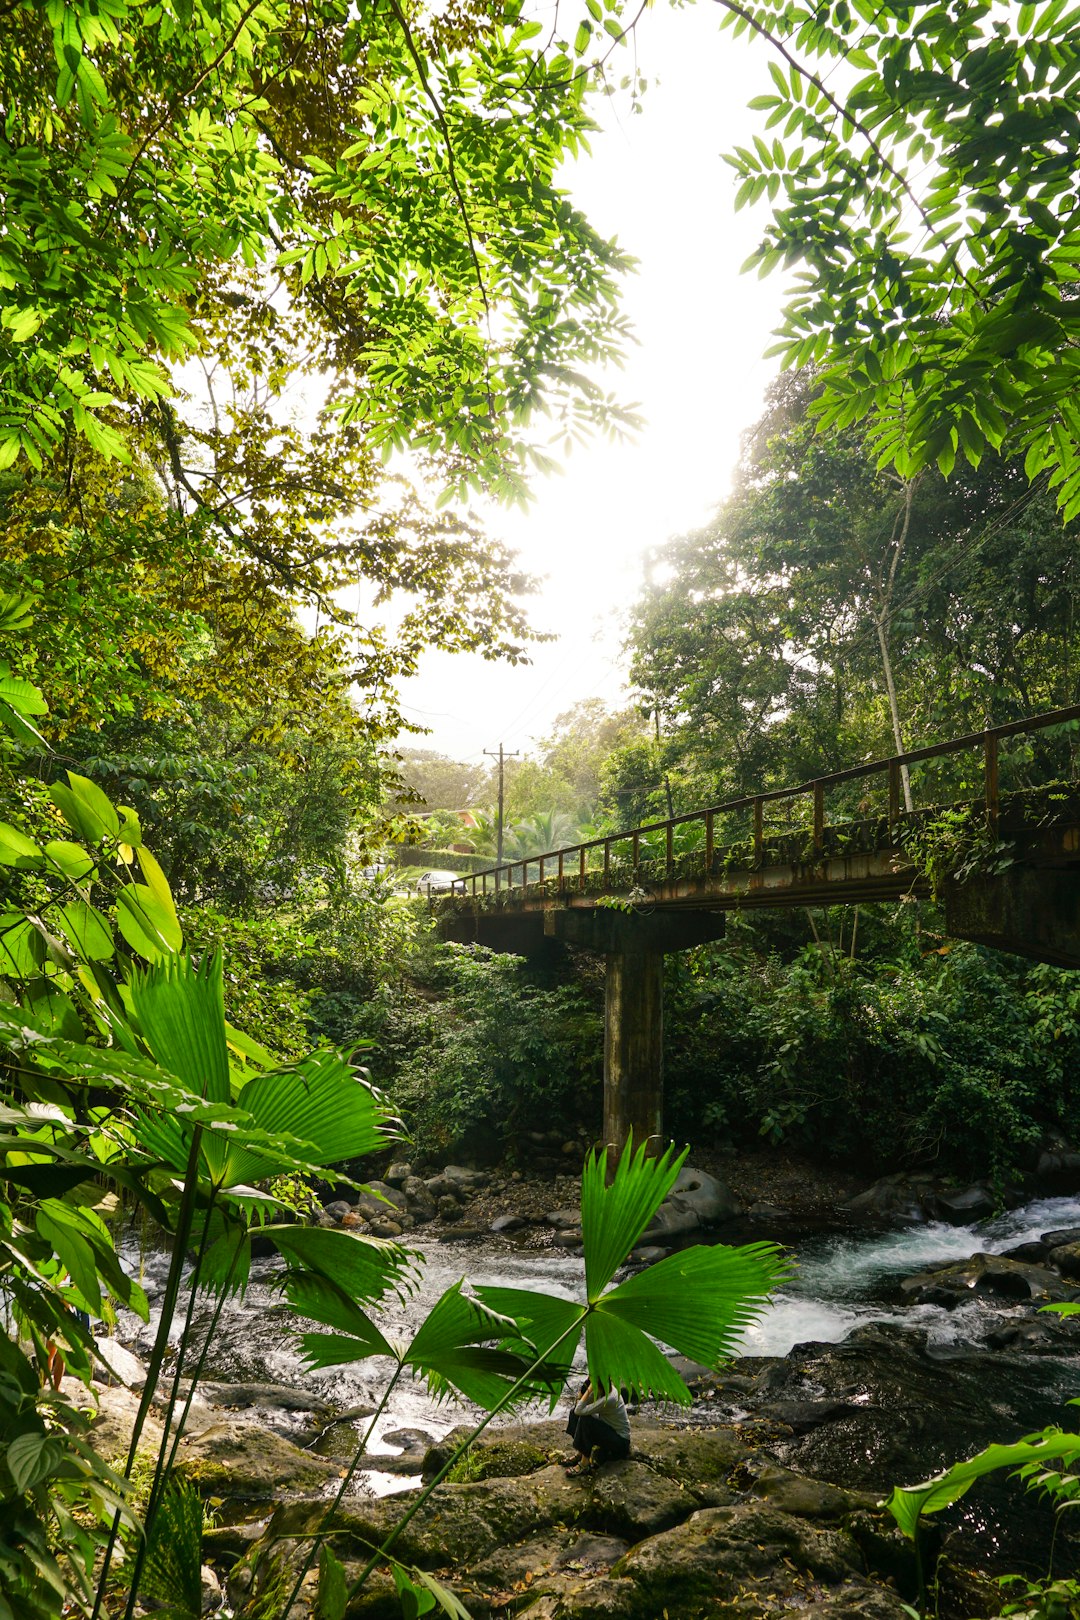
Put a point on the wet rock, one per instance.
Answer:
(720, 1552)
(563, 1218)
(460, 1234)
(982, 1275)
(409, 1439)
(398, 1174)
(337, 1208)
(633, 1500)
(567, 1240)
(591, 1553)
(380, 1199)
(439, 1187)
(507, 1223)
(241, 1462)
(696, 1200)
(120, 1363)
(1065, 1234)
(465, 1181)
(212, 1595)
(961, 1208)
(1066, 1259)
(352, 1222)
(893, 1198)
(648, 1255)
(1058, 1171)
(284, 1397)
(448, 1207)
(383, 1227)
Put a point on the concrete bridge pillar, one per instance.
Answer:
(634, 1048)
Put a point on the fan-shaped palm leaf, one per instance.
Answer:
(453, 1350)
(702, 1298)
(614, 1214)
(365, 1268)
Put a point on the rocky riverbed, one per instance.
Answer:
(761, 1499)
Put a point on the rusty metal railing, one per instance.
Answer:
(572, 861)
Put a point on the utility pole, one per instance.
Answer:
(502, 757)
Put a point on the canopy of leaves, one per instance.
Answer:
(927, 191)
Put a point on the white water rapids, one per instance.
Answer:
(841, 1282)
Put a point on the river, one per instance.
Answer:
(842, 1280)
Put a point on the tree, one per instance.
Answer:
(395, 172)
(927, 190)
(832, 611)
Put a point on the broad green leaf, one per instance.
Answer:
(333, 1592)
(52, 1010)
(131, 831)
(549, 1326)
(453, 1351)
(19, 694)
(319, 1101)
(181, 1012)
(621, 1356)
(73, 1251)
(155, 877)
(908, 1503)
(146, 923)
(86, 808)
(614, 1214)
(443, 1597)
(70, 859)
(87, 929)
(16, 849)
(366, 1268)
(415, 1600)
(31, 1458)
(23, 949)
(21, 729)
(700, 1300)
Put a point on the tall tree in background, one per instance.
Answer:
(832, 611)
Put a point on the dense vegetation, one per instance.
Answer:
(281, 286)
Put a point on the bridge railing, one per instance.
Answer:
(621, 853)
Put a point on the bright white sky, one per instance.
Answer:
(657, 181)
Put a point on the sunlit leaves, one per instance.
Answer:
(929, 198)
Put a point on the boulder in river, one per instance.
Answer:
(983, 1275)
(696, 1200)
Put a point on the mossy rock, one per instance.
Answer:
(242, 1462)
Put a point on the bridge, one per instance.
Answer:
(995, 836)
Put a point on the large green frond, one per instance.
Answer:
(324, 1104)
(907, 1504)
(454, 1351)
(547, 1326)
(365, 1268)
(320, 1300)
(181, 1012)
(621, 1356)
(699, 1301)
(614, 1214)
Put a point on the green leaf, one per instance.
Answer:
(322, 1102)
(87, 929)
(908, 1503)
(95, 807)
(147, 924)
(70, 859)
(333, 1592)
(155, 877)
(181, 1011)
(21, 729)
(366, 1268)
(20, 695)
(415, 1600)
(546, 1325)
(319, 1300)
(452, 1351)
(31, 1458)
(615, 1214)
(54, 1224)
(16, 849)
(172, 1571)
(22, 947)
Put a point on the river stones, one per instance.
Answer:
(241, 1462)
(986, 1274)
(696, 1200)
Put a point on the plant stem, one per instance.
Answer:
(167, 1450)
(184, 1218)
(381, 1553)
(342, 1488)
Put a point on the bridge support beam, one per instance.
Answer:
(1034, 911)
(634, 1048)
